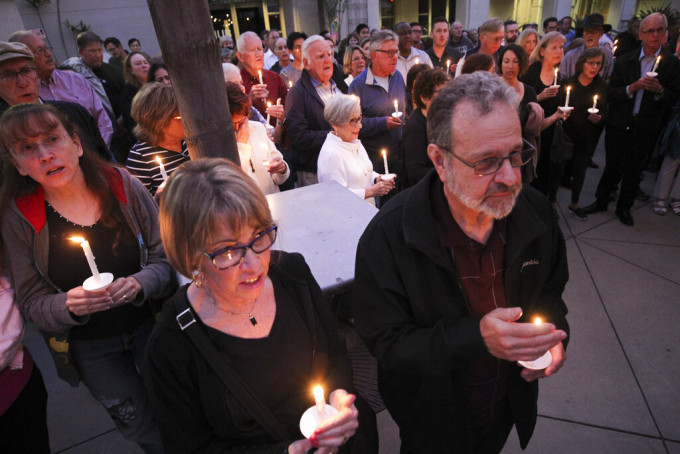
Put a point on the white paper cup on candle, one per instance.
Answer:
(397, 114)
(652, 74)
(593, 110)
(91, 283)
(310, 419)
(566, 109)
(388, 176)
(539, 363)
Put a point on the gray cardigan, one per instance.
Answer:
(25, 236)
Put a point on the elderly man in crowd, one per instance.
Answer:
(450, 276)
(270, 87)
(441, 53)
(19, 85)
(457, 40)
(58, 85)
(491, 34)
(593, 28)
(638, 103)
(305, 124)
(106, 80)
(378, 88)
(270, 57)
(408, 55)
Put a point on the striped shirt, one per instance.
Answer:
(142, 163)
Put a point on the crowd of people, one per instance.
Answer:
(461, 139)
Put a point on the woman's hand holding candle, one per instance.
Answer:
(336, 430)
(82, 302)
(277, 165)
(124, 290)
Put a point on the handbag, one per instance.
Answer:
(221, 366)
(562, 148)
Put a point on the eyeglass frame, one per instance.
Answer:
(24, 72)
(43, 50)
(43, 142)
(212, 256)
(657, 31)
(390, 53)
(355, 121)
(499, 160)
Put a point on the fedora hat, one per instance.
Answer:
(593, 21)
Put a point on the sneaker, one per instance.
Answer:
(579, 214)
(675, 206)
(660, 207)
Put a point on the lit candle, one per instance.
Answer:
(89, 256)
(396, 107)
(595, 102)
(269, 116)
(566, 102)
(290, 84)
(417, 60)
(538, 320)
(164, 174)
(656, 63)
(556, 71)
(320, 402)
(448, 65)
(384, 153)
(259, 73)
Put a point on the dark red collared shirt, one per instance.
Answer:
(481, 271)
(277, 89)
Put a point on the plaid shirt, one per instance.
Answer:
(277, 89)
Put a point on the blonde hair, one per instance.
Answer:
(153, 108)
(200, 195)
(545, 41)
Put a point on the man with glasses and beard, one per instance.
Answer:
(451, 273)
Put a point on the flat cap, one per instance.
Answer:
(14, 50)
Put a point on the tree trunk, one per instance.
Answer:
(191, 53)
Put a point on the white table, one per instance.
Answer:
(323, 222)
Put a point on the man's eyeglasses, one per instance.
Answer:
(232, 256)
(654, 31)
(43, 50)
(492, 165)
(390, 53)
(495, 39)
(31, 149)
(13, 76)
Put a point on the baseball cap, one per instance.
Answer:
(14, 50)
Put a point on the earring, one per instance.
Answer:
(198, 278)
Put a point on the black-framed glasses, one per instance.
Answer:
(13, 76)
(390, 53)
(490, 166)
(230, 257)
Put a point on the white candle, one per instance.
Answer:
(595, 102)
(384, 153)
(164, 174)
(89, 256)
(566, 102)
(269, 116)
(556, 71)
(417, 60)
(290, 84)
(656, 63)
(448, 65)
(396, 107)
(259, 73)
(320, 402)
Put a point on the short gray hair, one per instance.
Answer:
(241, 41)
(484, 90)
(230, 72)
(491, 25)
(643, 22)
(381, 37)
(308, 42)
(19, 36)
(338, 110)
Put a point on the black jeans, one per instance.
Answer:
(625, 153)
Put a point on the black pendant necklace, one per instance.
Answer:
(250, 315)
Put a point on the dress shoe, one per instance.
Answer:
(592, 164)
(625, 217)
(642, 196)
(593, 208)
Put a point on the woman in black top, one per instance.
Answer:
(584, 128)
(415, 142)
(541, 77)
(136, 72)
(261, 311)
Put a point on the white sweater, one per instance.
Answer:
(254, 152)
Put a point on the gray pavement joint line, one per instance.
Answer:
(623, 350)
(630, 263)
(641, 243)
(613, 429)
(65, 450)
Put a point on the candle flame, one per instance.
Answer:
(78, 239)
(269, 104)
(384, 153)
(318, 393)
(290, 83)
(448, 62)
(538, 320)
(158, 160)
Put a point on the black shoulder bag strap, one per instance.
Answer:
(220, 365)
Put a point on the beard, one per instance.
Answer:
(495, 207)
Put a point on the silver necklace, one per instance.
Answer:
(250, 315)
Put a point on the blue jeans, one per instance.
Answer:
(112, 369)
